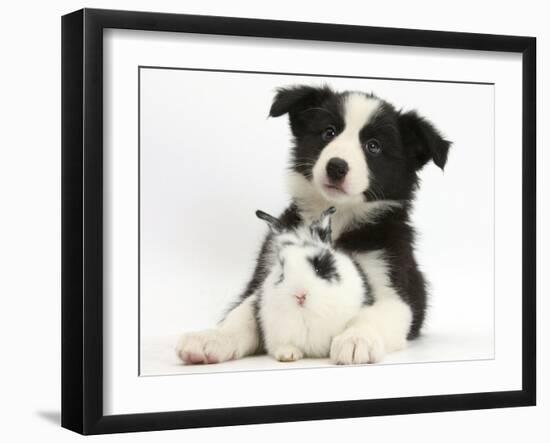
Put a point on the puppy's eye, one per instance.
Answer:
(329, 133)
(373, 147)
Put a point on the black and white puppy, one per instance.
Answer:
(356, 152)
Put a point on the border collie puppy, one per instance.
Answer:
(356, 152)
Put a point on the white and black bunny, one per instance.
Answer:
(310, 293)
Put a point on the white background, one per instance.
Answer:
(210, 157)
(30, 183)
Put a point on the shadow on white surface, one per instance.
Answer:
(158, 355)
(53, 417)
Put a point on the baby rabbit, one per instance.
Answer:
(310, 293)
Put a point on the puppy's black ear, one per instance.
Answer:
(297, 98)
(422, 140)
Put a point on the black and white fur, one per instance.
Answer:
(310, 293)
(356, 152)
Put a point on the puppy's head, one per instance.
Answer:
(354, 146)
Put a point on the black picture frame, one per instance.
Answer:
(82, 220)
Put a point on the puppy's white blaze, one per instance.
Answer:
(358, 110)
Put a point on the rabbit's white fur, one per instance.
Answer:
(293, 327)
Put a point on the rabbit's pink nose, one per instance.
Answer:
(300, 298)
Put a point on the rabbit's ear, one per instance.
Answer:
(321, 228)
(274, 224)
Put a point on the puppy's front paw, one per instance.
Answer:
(288, 353)
(210, 346)
(356, 346)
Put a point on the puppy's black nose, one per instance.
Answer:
(337, 169)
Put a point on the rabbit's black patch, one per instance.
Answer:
(324, 266)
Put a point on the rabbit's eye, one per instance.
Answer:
(280, 279)
(282, 274)
(324, 266)
(316, 266)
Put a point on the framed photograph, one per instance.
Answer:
(269, 221)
